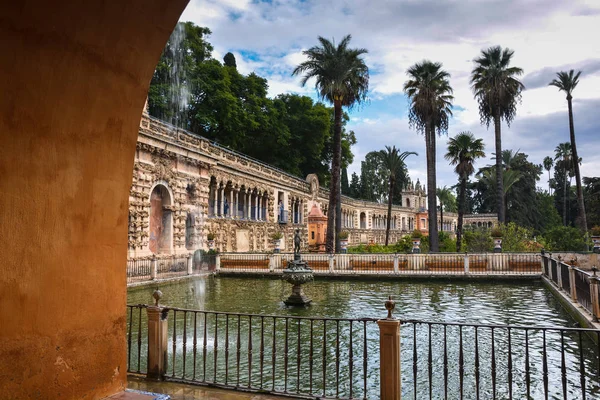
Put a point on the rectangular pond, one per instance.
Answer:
(453, 340)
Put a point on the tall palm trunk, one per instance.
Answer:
(565, 196)
(581, 218)
(389, 213)
(549, 178)
(499, 182)
(334, 218)
(431, 186)
(461, 212)
(441, 217)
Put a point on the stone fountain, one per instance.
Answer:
(297, 273)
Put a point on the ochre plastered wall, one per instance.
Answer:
(73, 79)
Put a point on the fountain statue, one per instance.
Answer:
(297, 273)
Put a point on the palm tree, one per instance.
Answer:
(341, 77)
(509, 178)
(567, 82)
(463, 150)
(430, 95)
(445, 196)
(392, 160)
(563, 152)
(497, 90)
(548, 163)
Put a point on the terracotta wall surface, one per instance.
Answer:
(73, 79)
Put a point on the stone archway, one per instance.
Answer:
(73, 86)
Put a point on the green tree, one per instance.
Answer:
(567, 82)
(345, 183)
(342, 77)
(373, 178)
(591, 192)
(446, 199)
(563, 153)
(392, 160)
(430, 95)
(548, 163)
(229, 60)
(497, 90)
(355, 186)
(565, 238)
(463, 150)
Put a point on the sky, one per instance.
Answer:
(547, 36)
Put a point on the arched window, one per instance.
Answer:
(363, 220)
(161, 220)
(408, 203)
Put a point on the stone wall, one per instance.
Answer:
(214, 189)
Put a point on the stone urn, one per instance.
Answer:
(595, 234)
(416, 242)
(211, 244)
(497, 244)
(344, 245)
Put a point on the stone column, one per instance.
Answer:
(572, 283)
(331, 262)
(237, 204)
(190, 264)
(466, 263)
(215, 200)
(594, 294)
(217, 262)
(389, 355)
(222, 204)
(247, 205)
(231, 203)
(157, 339)
(396, 264)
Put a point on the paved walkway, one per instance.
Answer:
(179, 391)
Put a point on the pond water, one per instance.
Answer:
(518, 303)
(342, 358)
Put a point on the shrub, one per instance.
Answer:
(595, 231)
(276, 236)
(518, 239)
(210, 236)
(416, 234)
(344, 235)
(564, 238)
(477, 240)
(496, 232)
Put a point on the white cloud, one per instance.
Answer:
(546, 36)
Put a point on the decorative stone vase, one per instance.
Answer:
(416, 245)
(344, 245)
(596, 241)
(497, 244)
(277, 245)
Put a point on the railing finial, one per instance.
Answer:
(594, 270)
(390, 304)
(157, 296)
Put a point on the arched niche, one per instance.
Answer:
(161, 220)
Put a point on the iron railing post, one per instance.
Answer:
(153, 268)
(389, 354)
(157, 339)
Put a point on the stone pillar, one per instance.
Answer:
(396, 264)
(153, 268)
(215, 200)
(331, 263)
(217, 262)
(237, 204)
(559, 268)
(466, 263)
(247, 205)
(222, 204)
(572, 283)
(271, 262)
(190, 264)
(389, 355)
(231, 203)
(157, 339)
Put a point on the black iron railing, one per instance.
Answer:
(565, 277)
(138, 269)
(582, 287)
(172, 264)
(306, 357)
(554, 271)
